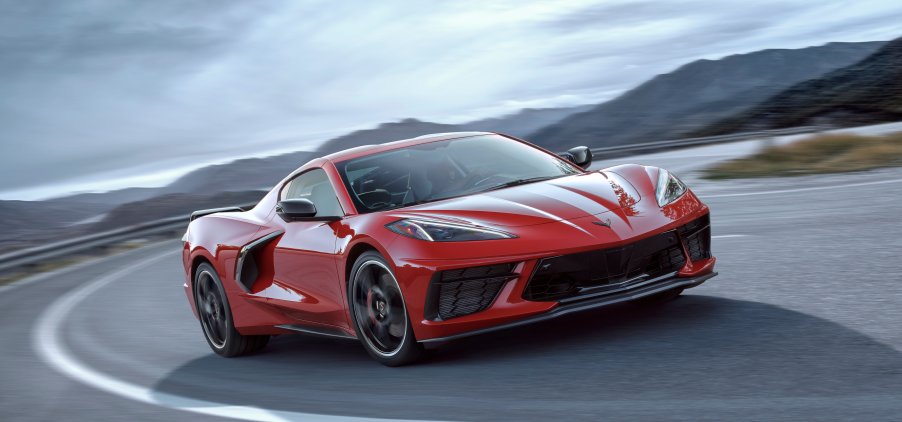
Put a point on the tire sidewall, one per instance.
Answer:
(410, 349)
(228, 344)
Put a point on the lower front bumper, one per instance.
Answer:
(647, 288)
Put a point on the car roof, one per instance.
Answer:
(365, 150)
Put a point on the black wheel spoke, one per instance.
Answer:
(396, 329)
(205, 318)
(200, 287)
(211, 309)
(381, 334)
(214, 326)
(385, 282)
(379, 308)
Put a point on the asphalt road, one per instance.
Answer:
(803, 323)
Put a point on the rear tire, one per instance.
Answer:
(379, 312)
(215, 317)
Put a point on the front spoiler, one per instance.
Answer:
(664, 283)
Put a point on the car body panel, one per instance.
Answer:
(565, 198)
(303, 273)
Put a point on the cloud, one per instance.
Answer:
(101, 90)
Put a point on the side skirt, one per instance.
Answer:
(317, 331)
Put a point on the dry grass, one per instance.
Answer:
(818, 154)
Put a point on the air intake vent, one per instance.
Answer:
(464, 291)
(697, 236)
(567, 276)
(246, 268)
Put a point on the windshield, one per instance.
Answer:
(445, 169)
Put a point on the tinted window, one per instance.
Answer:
(444, 169)
(315, 186)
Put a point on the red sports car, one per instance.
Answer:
(439, 237)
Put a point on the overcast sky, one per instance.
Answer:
(97, 95)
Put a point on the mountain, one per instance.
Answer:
(18, 219)
(239, 175)
(671, 105)
(526, 121)
(866, 92)
(518, 124)
(108, 199)
(667, 106)
(25, 223)
(263, 173)
(171, 205)
(31, 223)
(386, 132)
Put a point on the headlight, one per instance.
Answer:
(669, 188)
(439, 231)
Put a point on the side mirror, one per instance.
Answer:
(300, 209)
(581, 156)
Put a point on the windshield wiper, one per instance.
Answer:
(518, 182)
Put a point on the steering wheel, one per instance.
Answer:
(375, 199)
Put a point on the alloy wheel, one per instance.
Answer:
(379, 308)
(211, 307)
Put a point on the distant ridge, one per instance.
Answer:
(262, 173)
(866, 92)
(667, 106)
(672, 105)
(521, 123)
(24, 223)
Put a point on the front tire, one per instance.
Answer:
(379, 312)
(215, 317)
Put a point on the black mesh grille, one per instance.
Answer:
(566, 276)
(697, 236)
(663, 262)
(459, 292)
(476, 272)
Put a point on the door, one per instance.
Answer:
(305, 258)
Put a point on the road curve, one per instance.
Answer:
(802, 324)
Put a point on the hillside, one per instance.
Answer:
(238, 175)
(172, 205)
(866, 92)
(521, 123)
(25, 223)
(672, 105)
(262, 173)
(386, 132)
(668, 106)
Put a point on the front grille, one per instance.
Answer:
(566, 276)
(460, 292)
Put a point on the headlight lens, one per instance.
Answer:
(669, 188)
(440, 231)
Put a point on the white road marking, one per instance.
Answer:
(729, 236)
(774, 192)
(47, 341)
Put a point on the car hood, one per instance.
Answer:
(553, 200)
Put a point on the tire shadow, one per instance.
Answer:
(700, 350)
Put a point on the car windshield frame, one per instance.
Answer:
(353, 171)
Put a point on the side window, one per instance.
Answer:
(315, 186)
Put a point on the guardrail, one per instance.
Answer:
(74, 246)
(686, 142)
